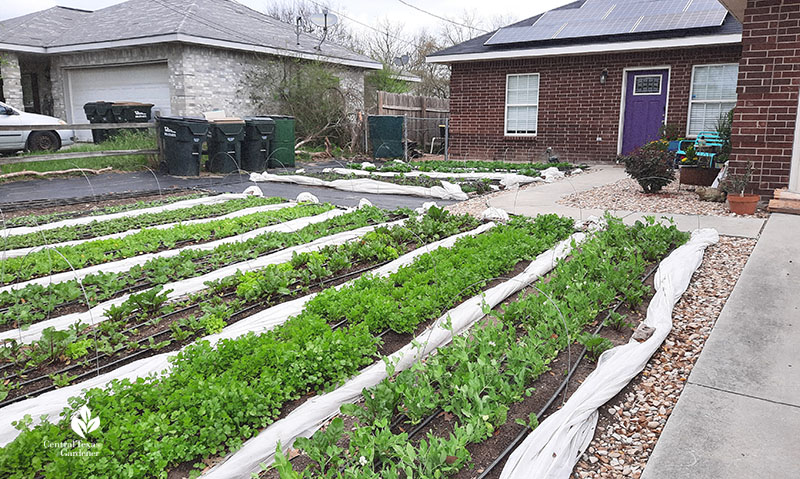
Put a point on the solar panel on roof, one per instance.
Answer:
(615, 17)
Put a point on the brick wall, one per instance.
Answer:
(769, 79)
(574, 108)
(201, 78)
(12, 79)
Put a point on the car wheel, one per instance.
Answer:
(44, 141)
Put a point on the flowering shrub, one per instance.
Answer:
(656, 145)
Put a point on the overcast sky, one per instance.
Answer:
(367, 11)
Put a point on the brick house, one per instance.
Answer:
(765, 127)
(185, 58)
(592, 79)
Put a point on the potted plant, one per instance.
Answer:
(696, 170)
(734, 186)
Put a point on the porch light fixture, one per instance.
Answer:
(604, 76)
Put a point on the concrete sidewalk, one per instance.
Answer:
(739, 414)
(542, 199)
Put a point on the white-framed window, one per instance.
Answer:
(713, 93)
(522, 104)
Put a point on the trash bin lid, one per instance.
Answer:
(183, 118)
(258, 119)
(130, 103)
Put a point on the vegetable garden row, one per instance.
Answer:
(185, 356)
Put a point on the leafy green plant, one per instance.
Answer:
(595, 344)
(737, 184)
(223, 394)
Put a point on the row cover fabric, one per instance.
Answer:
(506, 179)
(315, 412)
(128, 263)
(553, 448)
(243, 212)
(51, 404)
(206, 200)
(447, 191)
(183, 287)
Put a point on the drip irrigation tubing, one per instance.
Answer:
(561, 387)
(147, 339)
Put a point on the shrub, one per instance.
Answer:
(653, 170)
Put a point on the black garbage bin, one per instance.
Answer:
(225, 145)
(99, 112)
(131, 112)
(258, 133)
(182, 142)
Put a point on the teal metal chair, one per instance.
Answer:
(708, 145)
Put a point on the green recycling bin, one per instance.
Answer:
(281, 153)
(99, 112)
(182, 142)
(225, 145)
(258, 134)
(386, 135)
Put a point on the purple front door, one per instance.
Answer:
(645, 107)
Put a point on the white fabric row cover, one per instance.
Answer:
(186, 286)
(244, 212)
(506, 179)
(128, 263)
(447, 191)
(51, 404)
(315, 412)
(206, 200)
(553, 448)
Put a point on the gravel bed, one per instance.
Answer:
(631, 423)
(627, 195)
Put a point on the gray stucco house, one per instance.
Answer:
(184, 57)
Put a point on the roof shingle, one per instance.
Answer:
(223, 20)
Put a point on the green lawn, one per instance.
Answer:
(126, 140)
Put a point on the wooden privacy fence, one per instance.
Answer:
(77, 126)
(423, 114)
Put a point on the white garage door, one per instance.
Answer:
(147, 83)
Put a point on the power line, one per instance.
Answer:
(442, 18)
(400, 39)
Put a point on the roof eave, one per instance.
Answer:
(14, 47)
(736, 7)
(586, 49)
(196, 40)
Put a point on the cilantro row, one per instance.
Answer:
(45, 262)
(478, 376)
(224, 300)
(35, 302)
(119, 225)
(216, 397)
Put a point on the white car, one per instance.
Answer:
(11, 141)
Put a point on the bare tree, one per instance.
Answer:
(298, 12)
